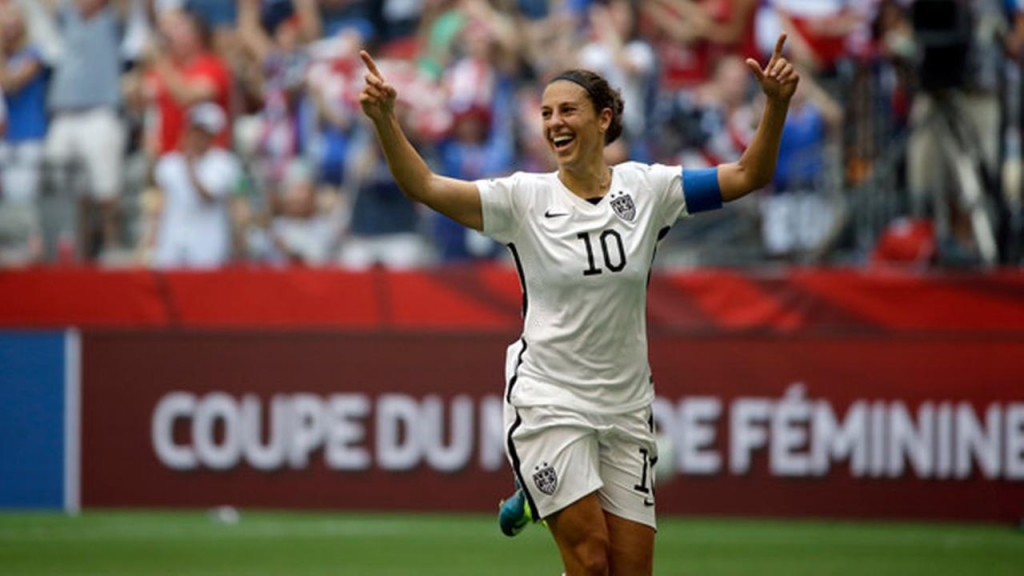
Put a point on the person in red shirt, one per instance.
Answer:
(693, 34)
(819, 30)
(181, 71)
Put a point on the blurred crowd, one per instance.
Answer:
(204, 133)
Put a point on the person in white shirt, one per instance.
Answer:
(196, 182)
(300, 233)
(579, 389)
(624, 59)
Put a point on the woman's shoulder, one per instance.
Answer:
(634, 168)
(642, 175)
(526, 179)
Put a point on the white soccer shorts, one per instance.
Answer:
(560, 456)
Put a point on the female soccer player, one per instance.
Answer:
(579, 389)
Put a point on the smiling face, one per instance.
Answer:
(572, 128)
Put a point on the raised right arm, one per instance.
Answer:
(456, 199)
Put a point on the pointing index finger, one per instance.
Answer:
(778, 46)
(370, 64)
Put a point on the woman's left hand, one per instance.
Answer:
(778, 78)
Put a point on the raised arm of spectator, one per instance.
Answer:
(457, 199)
(327, 114)
(502, 27)
(310, 25)
(604, 26)
(755, 168)
(733, 29)
(12, 78)
(250, 30)
(185, 91)
(665, 15)
(831, 109)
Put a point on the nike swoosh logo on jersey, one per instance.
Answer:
(648, 502)
(548, 214)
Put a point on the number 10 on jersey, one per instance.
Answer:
(612, 248)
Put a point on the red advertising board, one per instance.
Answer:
(488, 298)
(908, 425)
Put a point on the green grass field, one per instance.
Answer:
(171, 543)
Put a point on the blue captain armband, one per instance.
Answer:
(700, 188)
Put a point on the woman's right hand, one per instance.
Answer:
(378, 97)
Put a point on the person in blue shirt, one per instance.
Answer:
(481, 145)
(23, 79)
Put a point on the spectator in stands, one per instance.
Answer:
(222, 17)
(283, 62)
(397, 22)
(491, 34)
(470, 79)
(331, 84)
(13, 225)
(690, 35)
(481, 146)
(300, 232)
(801, 213)
(86, 135)
(322, 18)
(487, 45)
(819, 29)
(337, 15)
(710, 124)
(892, 30)
(478, 88)
(182, 71)
(551, 42)
(42, 28)
(23, 78)
(384, 228)
(677, 59)
(196, 181)
(136, 28)
(439, 27)
(877, 100)
(628, 62)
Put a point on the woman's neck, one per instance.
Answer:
(587, 182)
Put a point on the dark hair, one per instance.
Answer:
(601, 95)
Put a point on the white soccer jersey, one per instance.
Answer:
(584, 270)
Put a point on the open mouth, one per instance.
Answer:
(562, 142)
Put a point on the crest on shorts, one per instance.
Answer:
(545, 478)
(623, 205)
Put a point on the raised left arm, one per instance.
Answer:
(755, 168)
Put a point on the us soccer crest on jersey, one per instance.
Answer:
(622, 204)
